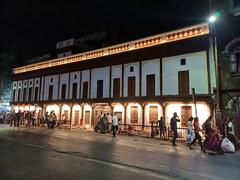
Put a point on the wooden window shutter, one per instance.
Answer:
(232, 63)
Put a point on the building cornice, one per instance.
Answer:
(155, 40)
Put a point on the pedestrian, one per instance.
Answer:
(28, 118)
(213, 139)
(190, 133)
(22, 118)
(39, 116)
(161, 125)
(197, 131)
(230, 132)
(1, 117)
(114, 124)
(50, 120)
(109, 122)
(13, 119)
(18, 117)
(223, 129)
(46, 115)
(54, 120)
(119, 126)
(33, 118)
(173, 124)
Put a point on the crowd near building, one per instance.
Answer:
(140, 80)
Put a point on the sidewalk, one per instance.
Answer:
(77, 132)
(74, 133)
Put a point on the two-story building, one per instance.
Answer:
(230, 82)
(140, 80)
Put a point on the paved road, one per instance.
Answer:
(40, 153)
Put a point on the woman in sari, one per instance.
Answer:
(213, 140)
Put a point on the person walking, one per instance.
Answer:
(230, 132)
(28, 118)
(161, 125)
(109, 122)
(1, 118)
(18, 117)
(46, 115)
(173, 124)
(190, 131)
(198, 137)
(13, 119)
(50, 120)
(213, 139)
(114, 124)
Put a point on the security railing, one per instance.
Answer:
(152, 131)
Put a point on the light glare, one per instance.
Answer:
(212, 19)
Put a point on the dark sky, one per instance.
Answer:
(32, 27)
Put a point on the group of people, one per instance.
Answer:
(3, 116)
(28, 118)
(213, 137)
(107, 122)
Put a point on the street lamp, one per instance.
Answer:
(212, 22)
(212, 18)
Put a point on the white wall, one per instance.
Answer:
(66, 107)
(54, 108)
(147, 107)
(151, 67)
(14, 87)
(36, 84)
(25, 83)
(76, 107)
(117, 73)
(47, 83)
(30, 85)
(74, 80)
(25, 86)
(100, 74)
(127, 74)
(85, 77)
(87, 108)
(64, 78)
(119, 108)
(203, 111)
(42, 88)
(128, 117)
(196, 63)
(19, 86)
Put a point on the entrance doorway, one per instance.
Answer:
(87, 117)
(186, 112)
(119, 116)
(99, 110)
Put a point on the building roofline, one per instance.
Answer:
(154, 40)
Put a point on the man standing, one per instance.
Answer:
(173, 125)
(114, 124)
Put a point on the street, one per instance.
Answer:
(40, 153)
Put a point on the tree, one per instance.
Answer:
(8, 60)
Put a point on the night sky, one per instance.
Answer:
(32, 27)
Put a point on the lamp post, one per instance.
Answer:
(212, 20)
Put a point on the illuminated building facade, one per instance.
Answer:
(141, 80)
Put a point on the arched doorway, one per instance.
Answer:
(99, 109)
